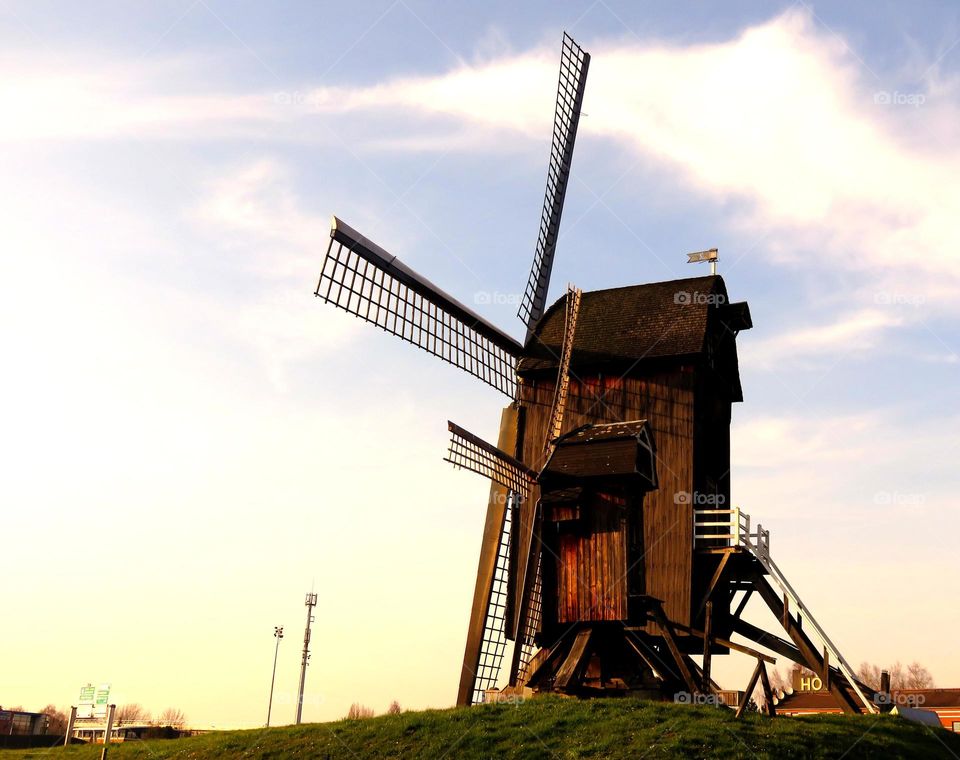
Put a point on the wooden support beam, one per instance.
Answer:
(769, 707)
(721, 566)
(825, 675)
(707, 641)
(549, 663)
(575, 658)
(812, 659)
(656, 668)
(669, 635)
(698, 673)
(730, 644)
(751, 685)
(768, 640)
(637, 639)
(743, 603)
(785, 648)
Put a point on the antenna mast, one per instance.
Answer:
(310, 603)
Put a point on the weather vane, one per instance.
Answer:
(700, 256)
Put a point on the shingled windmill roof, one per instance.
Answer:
(637, 322)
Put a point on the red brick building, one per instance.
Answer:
(944, 702)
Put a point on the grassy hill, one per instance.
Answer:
(553, 728)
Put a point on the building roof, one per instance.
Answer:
(930, 697)
(649, 321)
(823, 700)
(611, 431)
(618, 449)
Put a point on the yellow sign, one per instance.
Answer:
(805, 681)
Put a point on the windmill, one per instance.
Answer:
(610, 552)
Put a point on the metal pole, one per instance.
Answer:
(70, 721)
(310, 604)
(278, 634)
(111, 709)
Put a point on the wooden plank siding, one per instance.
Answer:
(592, 565)
(666, 399)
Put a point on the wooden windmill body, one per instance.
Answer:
(610, 552)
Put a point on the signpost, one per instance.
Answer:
(110, 710)
(101, 701)
(85, 704)
(70, 722)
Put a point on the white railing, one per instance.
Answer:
(709, 525)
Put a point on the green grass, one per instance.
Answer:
(550, 729)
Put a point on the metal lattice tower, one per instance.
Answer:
(310, 603)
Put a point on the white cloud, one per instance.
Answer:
(849, 334)
(781, 119)
(254, 212)
(86, 98)
(846, 466)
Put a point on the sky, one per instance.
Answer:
(191, 441)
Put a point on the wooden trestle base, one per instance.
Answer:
(612, 659)
(593, 659)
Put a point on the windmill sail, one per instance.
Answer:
(530, 606)
(366, 281)
(475, 454)
(485, 673)
(484, 656)
(574, 63)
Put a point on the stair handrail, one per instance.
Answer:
(761, 550)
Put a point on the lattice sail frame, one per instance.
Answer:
(475, 454)
(494, 640)
(363, 279)
(574, 65)
(470, 452)
(531, 627)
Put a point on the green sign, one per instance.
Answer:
(102, 700)
(86, 695)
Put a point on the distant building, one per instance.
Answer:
(91, 730)
(944, 702)
(19, 723)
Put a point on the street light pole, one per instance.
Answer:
(278, 634)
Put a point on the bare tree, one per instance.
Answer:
(784, 680)
(173, 717)
(394, 708)
(358, 711)
(56, 720)
(869, 674)
(916, 676)
(132, 713)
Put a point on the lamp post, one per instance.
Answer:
(277, 634)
